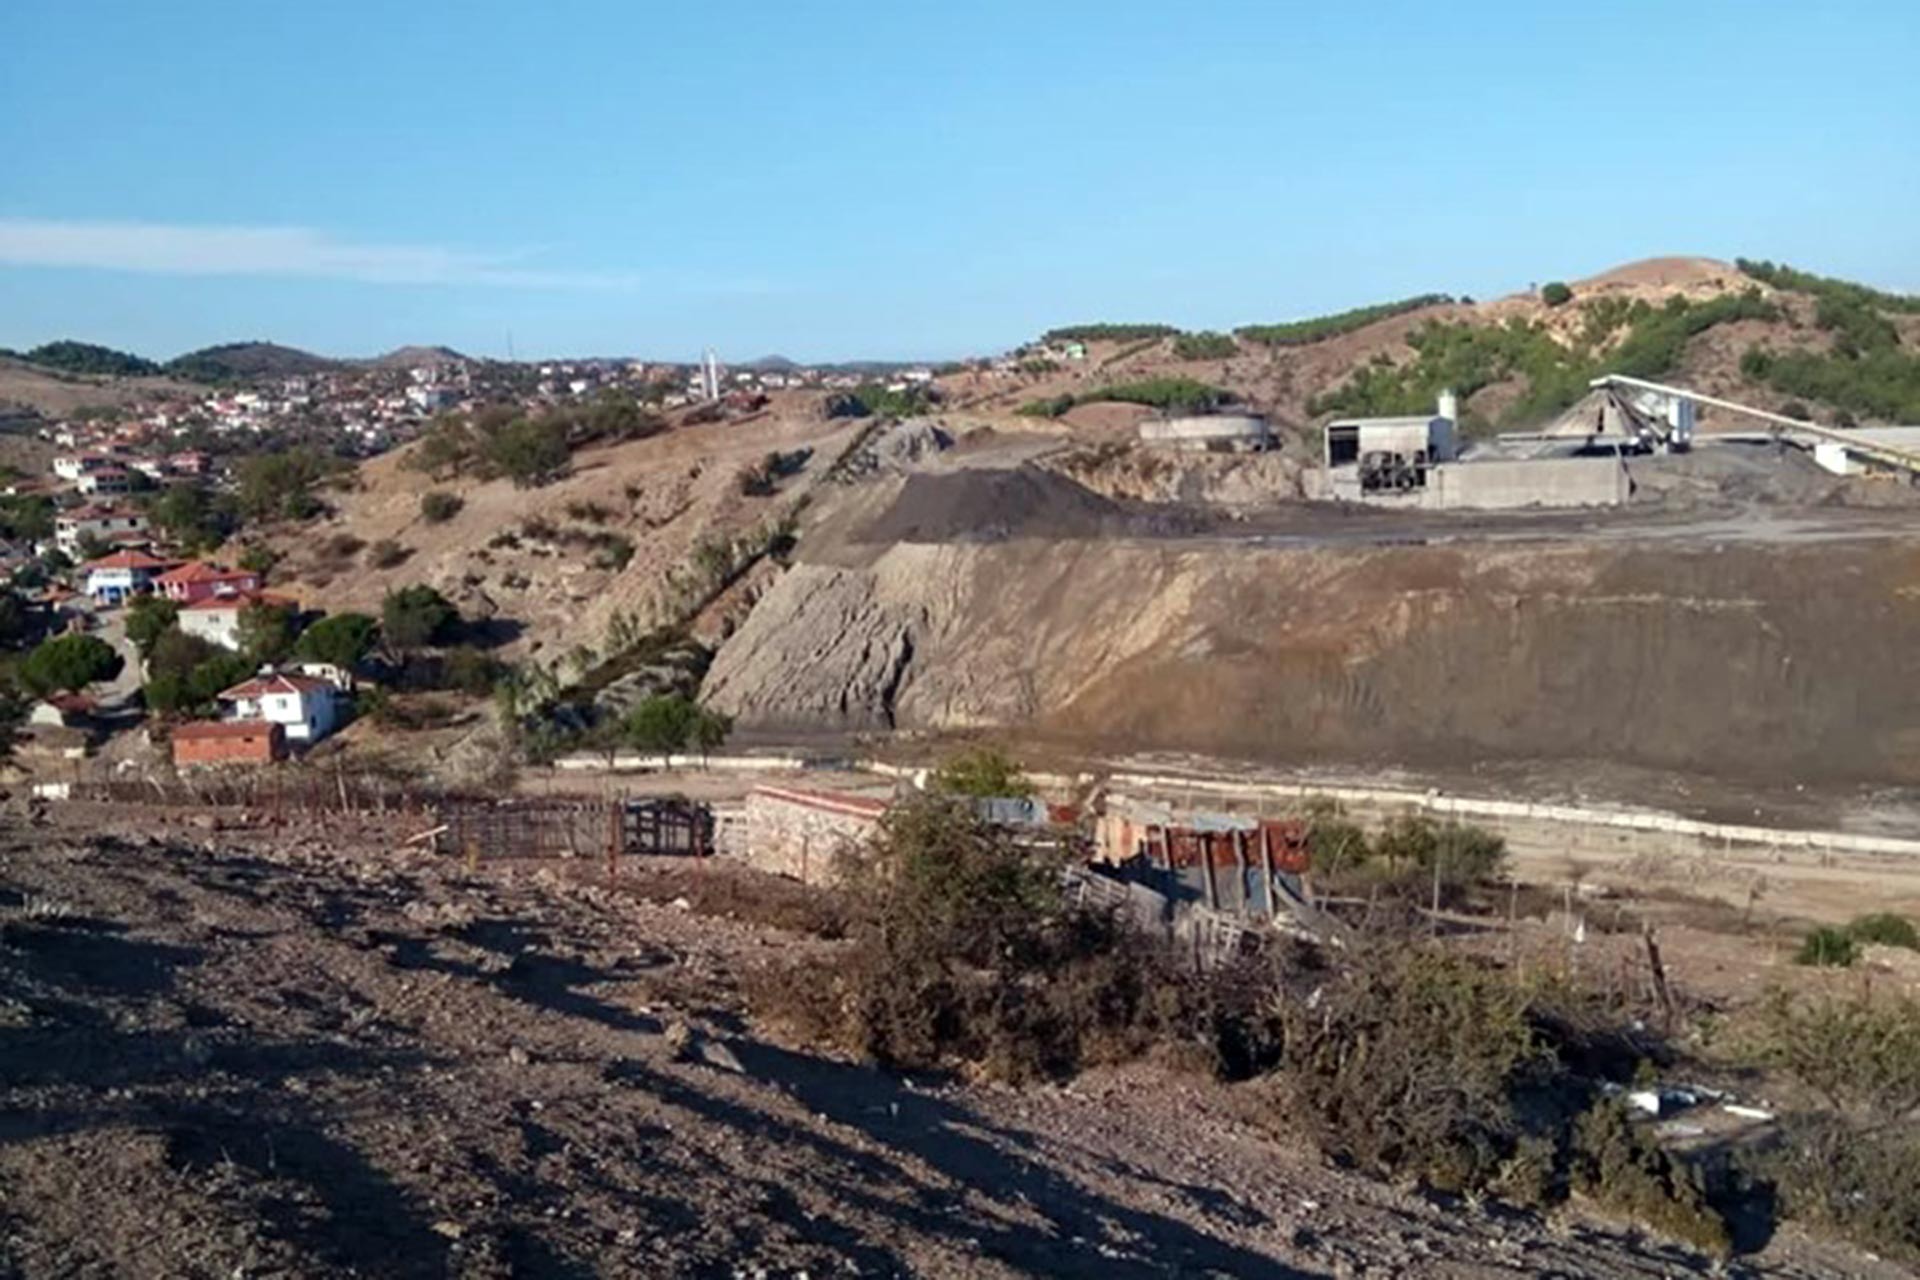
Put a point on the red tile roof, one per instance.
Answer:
(201, 571)
(260, 686)
(128, 560)
(96, 511)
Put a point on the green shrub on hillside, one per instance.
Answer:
(1295, 333)
(1108, 332)
(1882, 384)
(1466, 357)
(1782, 276)
(1205, 345)
(1556, 294)
(1182, 395)
(1050, 407)
(437, 506)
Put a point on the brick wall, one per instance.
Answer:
(228, 743)
(800, 834)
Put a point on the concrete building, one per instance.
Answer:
(1367, 456)
(105, 482)
(1418, 462)
(103, 522)
(1210, 433)
(801, 834)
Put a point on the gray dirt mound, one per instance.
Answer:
(981, 505)
(897, 447)
(1743, 474)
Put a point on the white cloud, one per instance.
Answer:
(159, 248)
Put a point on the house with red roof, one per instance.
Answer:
(201, 580)
(113, 579)
(306, 708)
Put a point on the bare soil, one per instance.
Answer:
(287, 1052)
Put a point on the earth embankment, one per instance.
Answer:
(1756, 661)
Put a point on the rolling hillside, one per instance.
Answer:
(1769, 335)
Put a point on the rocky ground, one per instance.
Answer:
(254, 1053)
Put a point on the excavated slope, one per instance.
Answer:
(1752, 661)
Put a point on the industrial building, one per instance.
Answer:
(1420, 462)
(1382, 456)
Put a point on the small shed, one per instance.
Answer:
(216, 742)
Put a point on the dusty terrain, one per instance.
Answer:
(282, 1053)
(56, 394)
(665, 495)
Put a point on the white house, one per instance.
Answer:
(306, 708)
(104, 481)
(73, 467)
(216, 619)
(117, 578)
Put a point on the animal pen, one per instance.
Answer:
(548, 828)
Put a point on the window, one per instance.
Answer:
(1343, 445)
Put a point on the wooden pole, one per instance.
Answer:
(1241, 900)
(1266, 863)
(1206, 858)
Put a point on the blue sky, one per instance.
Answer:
(831, 180)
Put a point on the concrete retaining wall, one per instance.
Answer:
(1498, 484)
(1506, 484)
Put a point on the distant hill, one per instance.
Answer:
(1756, 332)
(88, 358)
(412, 357)
(240, 361)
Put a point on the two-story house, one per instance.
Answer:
(102, 522)
(116, 578)
(305, 707)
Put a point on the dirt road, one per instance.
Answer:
(240, 1054)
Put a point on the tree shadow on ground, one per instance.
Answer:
(347, 1213)
(1084, 1232)
(532, 975)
